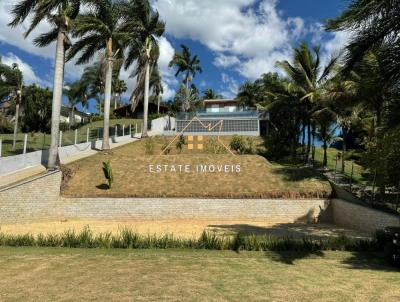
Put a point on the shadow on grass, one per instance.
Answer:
(290, 257)
(102, 187)
(298, 173)
(289, 230)
(370, 261)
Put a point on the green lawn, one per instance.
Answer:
(37, 141)
(48, 274)
(258, 178)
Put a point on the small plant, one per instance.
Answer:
(250, 146)
(149, 146)
(238, 144)
(108, 174)
(180, 143)
(212, 146)
(165, 147)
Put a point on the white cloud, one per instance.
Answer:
(168, 77)
(224, 61)
(230, 86)
(30, 76)
(15, 36)
(234, 29)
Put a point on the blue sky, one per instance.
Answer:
(236, 40)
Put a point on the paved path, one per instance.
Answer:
(24, 174)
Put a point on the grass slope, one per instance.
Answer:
(257, 179)
(47, 274)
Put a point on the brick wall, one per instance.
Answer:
(39, 200)
(354, 216)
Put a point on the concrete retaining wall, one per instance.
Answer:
(354, 216)
(11, 164)
(39, 200)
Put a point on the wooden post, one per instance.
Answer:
(60, 142)
(123, 130)
(0, 146)
(136, 129)
(25, 142)
(116, 131)
(352, 172)
(98, 133)
(76, 136)
(87, 135)
(130, 130)
(336, 159)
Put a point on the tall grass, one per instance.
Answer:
(128, 239)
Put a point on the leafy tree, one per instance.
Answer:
(11, 80)
(59, 14)
(37, 109)
(186, 64)
(99, 29)
(143, 26)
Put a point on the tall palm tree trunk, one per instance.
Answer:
(325, 161)
(16, 122)
(53, 160)
(107, 103)
(146, 100)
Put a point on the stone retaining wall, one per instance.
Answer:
(39, 200)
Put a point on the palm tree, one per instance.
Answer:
(76, 94)
(11, 80)
(143, 27)
(374, 24)
(118, 87)
(186, 64)
(156, 85)
(307, 75)
(59, 13)
(210, 94)
(325, 120)
(99, 29)
(248, 95)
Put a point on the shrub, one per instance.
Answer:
(180, 143)
(212, 146)
(108, 173)
(250, 145)
(238, 144)
(166, 148)
(5, 125)
(127, 238)
(149, 146)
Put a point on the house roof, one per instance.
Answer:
(220, 101)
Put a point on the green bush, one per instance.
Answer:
(180, 143)
(129, 239)
(108, 173)
(6, 126)
(213, 147)
(165, 148)
(238, 144)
